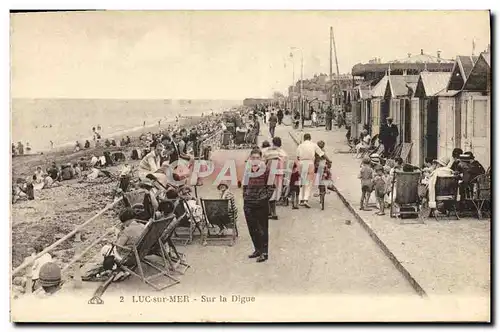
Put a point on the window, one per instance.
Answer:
(480, 118)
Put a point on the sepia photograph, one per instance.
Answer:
(250, 166)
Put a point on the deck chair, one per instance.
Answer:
(481, 193)
(226, 139)
(405, 200)
(187, 225)
(139, 200)
(405, 151)
(176, 259)
(216, 213)
(240, 136)
(136, 256)
(446, 193)
(396, 153)
(374, 148)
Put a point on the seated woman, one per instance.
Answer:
(38, 178)
(127, 235)
(151, 162)
(468, 168)
(364, 144)
(441, 169)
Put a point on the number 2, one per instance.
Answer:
(122, 299)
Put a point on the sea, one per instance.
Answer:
(65, 121)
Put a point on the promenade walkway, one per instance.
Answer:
(443, 258)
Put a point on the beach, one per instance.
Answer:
(57, 211)
(65, 121)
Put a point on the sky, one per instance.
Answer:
(217, 55)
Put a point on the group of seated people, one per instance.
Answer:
(461, 165)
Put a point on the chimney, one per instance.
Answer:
(409, 55)
(439, 54)
(421, 51)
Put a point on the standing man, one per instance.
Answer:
(273, 121)
(328, 118)
(255, 129)
(306, 153)
(280, 116)
(276, 158)
(389, 137)
(256, 195)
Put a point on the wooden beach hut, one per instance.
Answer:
(424, 120)
(361, 107)
(475, 118)
(379, 105)
(399, 91)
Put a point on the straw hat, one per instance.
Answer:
(443, 161)
(223, 183)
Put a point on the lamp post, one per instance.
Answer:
(301, 84)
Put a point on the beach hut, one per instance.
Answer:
(361, 107)
(424, 121)
(399, 91)
(379, 105)
(475, 101)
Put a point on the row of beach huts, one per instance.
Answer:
(437, 104)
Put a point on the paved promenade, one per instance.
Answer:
(442, 258)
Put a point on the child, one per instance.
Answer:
(77, 170)
(380, 188)
(366, 177)
(398, 165)
(225, 193)
(294, 185)
(35, 269)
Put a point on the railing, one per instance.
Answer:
(213, 142)
(30, 261)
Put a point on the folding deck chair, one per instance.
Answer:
(396, 152)
(187, 224)
(216, 213)
(239, 137)
(136, 256)
(446, 193)
(178, 260)
(481, 193)
(140, 200)
(405, 200)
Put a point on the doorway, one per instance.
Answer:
(431, 130)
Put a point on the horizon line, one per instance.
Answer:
(132, 98)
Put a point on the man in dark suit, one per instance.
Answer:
(388, 135)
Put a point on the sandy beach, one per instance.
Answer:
(57, 211)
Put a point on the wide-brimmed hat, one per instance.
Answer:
(443, 161)
(223, 183)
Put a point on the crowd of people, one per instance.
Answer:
(20, 149)
(377, 175)
(160, 149)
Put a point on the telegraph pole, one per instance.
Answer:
(332, 41)
(331, 64)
